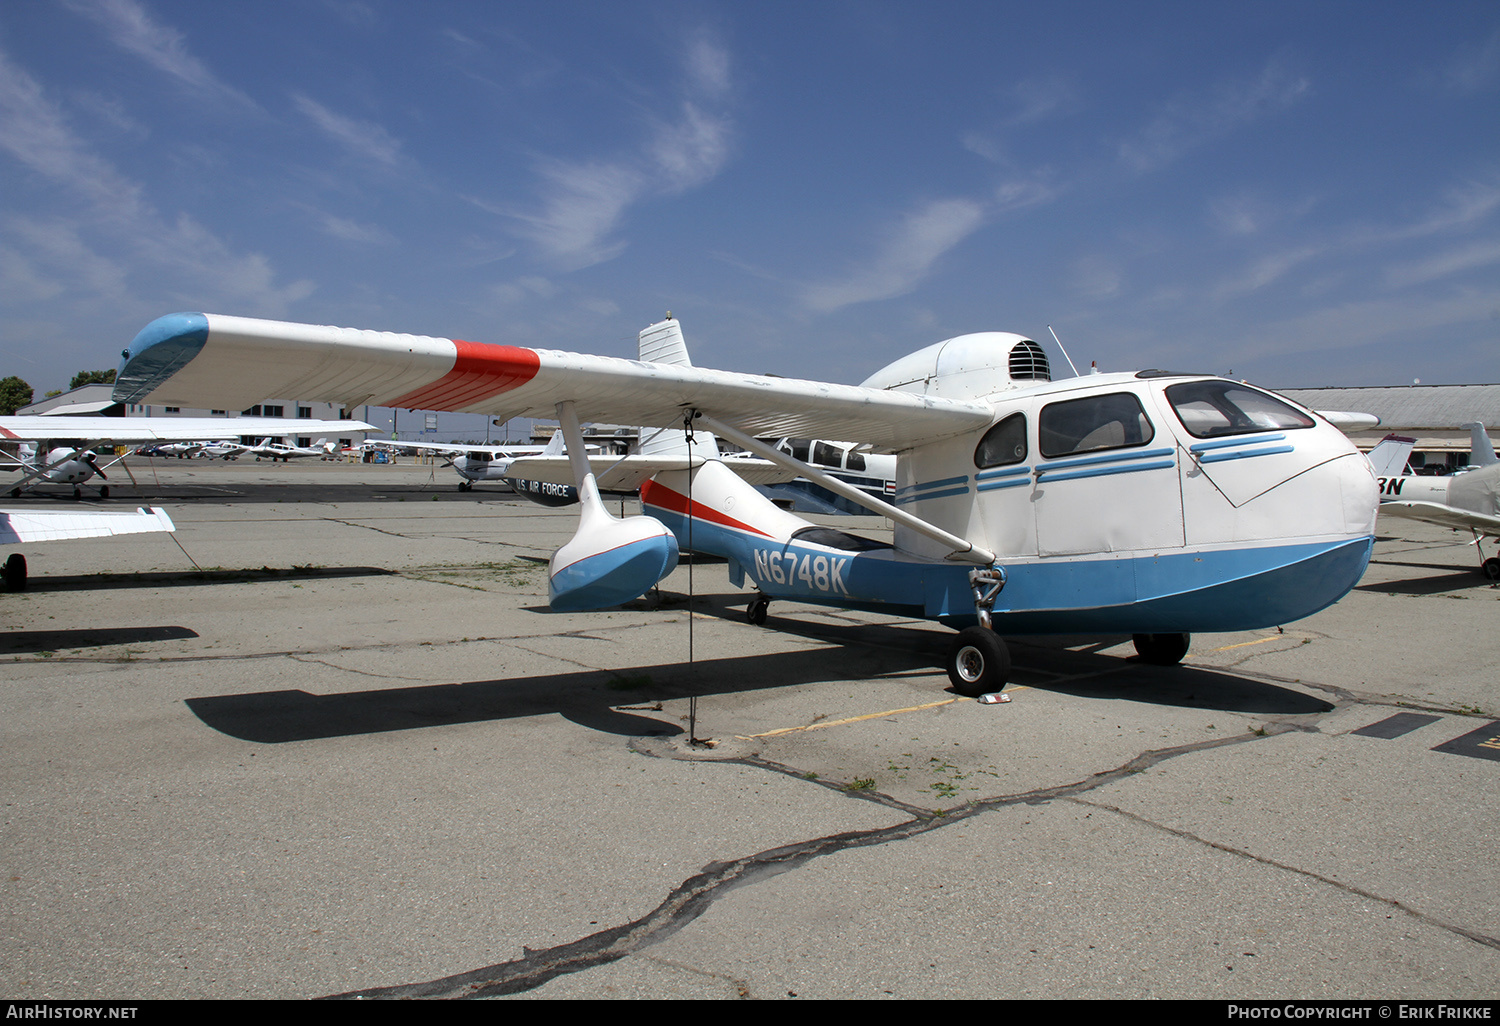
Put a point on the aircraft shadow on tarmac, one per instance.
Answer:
(197, 578)
(619, 702)
(16, 642)
(1450, 578)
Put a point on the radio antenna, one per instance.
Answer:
(1064, 352)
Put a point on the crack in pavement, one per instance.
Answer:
(692, 897)
(1473, 935)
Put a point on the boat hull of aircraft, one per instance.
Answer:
(1230, 588)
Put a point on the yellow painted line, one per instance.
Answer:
(859, 719)
(1242, 644)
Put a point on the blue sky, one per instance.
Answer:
(1299, 193)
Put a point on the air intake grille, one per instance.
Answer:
(1028, 362)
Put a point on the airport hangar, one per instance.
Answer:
(1432, 414)
(98, 401)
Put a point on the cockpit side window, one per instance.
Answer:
(1093, 423)
(1210, 409)
(827, 455)
(1003, 444)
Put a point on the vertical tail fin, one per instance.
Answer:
(663, 342)
(1481, 452)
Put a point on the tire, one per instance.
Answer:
(104, 491)
(1491, 568)
(756, 611)
(14, 572)
(1162, 649)
(978, 662)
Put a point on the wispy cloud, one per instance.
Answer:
(1442, 265)
(906, 256)
(1475, 67)
(34, 131)
(363, 139)
(354, 231)
(129, 27)
(1190, 121)
(584, 203)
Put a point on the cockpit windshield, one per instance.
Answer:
(1210, 409)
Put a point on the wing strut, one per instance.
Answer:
(963, 551)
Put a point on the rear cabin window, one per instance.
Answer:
(1096, 422)
(1209, 409)
(1003, 444)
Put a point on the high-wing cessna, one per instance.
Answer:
(76, 463)
(1152, 504)
(1465, 501)
(35, 525)
(477, 463)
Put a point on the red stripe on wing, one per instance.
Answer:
(479, 372)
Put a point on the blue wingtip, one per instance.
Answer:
(161, 349)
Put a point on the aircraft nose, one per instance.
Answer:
(1360, 491)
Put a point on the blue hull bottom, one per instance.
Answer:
(1191, 591)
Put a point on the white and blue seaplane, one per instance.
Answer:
(1150, 504)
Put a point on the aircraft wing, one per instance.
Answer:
(229, 362)
(628, 473)
(457, 447)
(165, 429)
(34, 525)
(1345, 421)
(1445, 516)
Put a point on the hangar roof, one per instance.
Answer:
(1409, 407)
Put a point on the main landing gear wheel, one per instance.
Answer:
(756, 611)
(464, 486)
(1162, 649)
(104, 492)
(77, 494)
(14, 572)
(1491, 568)
(978, 662)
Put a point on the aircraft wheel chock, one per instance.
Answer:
(14, 572)
(1162, 649)
(1492, 568)
(978, 662)
(756, 611)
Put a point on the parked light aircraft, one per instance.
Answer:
(871, 472)
(1152, 504)
(273, 451)
(1464, 501)
(76, 463)
(35, 525)
(478, 463)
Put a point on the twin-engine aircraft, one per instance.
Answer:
(1151, 504)
(1466, 501)
(76, 463)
